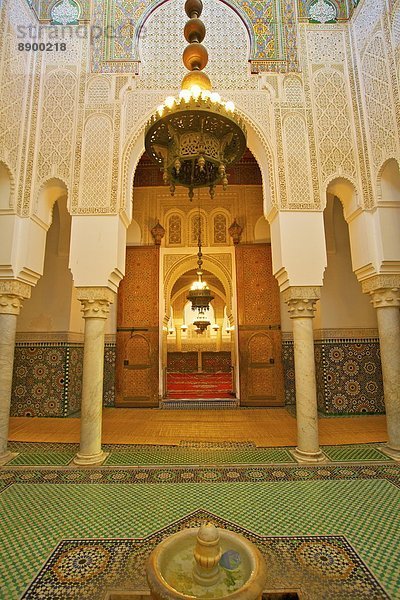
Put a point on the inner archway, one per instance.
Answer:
(200, 364)
(163, 241)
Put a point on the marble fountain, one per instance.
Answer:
(206, 563)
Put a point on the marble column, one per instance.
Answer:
(301, 306)
(95, 307)
(385, 294)
(164, 357)
(178, 336)
(218, 344)
(12, 294)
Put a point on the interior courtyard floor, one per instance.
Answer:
(327, 531)
(267, 427)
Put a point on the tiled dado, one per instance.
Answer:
(348, 372)
(47, 378)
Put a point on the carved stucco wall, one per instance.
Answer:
(16, 76)
(377, 85)
(243, 203)
(348, 79)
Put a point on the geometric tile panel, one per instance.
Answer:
(320, 565)
(357, 505)
(288, 373)
(109, 375)
(348, 376)
(47, 379)
(40, 380)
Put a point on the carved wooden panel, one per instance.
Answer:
(182, 362)
(137, 368)
(260, 343)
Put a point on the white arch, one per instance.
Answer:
(49, 191)
(388, 181)
(346, 190)
(7, 186)
(256, 142)
(189, 263)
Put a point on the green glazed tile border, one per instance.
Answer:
(42, 458)
(54, 454)
(197, 456)
(356, 453)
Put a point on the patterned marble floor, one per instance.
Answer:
(339, 517)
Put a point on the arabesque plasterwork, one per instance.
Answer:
(340, 114)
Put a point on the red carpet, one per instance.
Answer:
(199, 385)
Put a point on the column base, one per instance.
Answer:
(6, 457)
(308, 457)
(88, 460)
(391, 452)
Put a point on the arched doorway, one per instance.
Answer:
(47, 378)
(200, 364)
(156, 287)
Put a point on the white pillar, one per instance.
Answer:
(386, 300)
(218, 345)
(12, 294)
(178, 331)
(301, 306)
(95, 307)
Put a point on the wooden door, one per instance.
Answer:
(137, 352)
(260, 341)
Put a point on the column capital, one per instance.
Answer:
(384, 290)
(12, 295)
(95, 301)
(301, 300)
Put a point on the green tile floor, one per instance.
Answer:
(144, 455)
(36, 516)
(42, 501)
(144, 488)
(362, 453)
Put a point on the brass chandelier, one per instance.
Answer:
(201, 324)
(200, 295)
(195, 136)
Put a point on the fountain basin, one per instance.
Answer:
(170, 569)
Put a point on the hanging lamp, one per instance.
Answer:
(200, 295)
(194, 137)
(201, 323)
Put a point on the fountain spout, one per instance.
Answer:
(207, 553)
